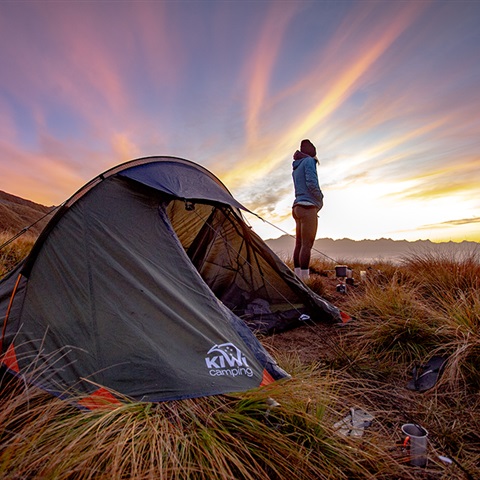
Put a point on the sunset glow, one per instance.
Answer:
(387, 91)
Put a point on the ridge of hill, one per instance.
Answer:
(370, 250)
(17, 213)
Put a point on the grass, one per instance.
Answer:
(222, 437)
(402, 313)
(14, 250)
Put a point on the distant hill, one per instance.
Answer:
(17, 213)
(370, 250)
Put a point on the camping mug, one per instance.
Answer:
(416, 442)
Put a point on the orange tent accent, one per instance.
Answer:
(10, 359)
(267, 378)
(345, 317)
(100, 398)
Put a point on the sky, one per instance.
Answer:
(388, 91)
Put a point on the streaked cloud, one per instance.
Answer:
(449, 223)
(388, 91)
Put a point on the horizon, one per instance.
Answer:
(387, 91)
(292, 237)
(420, 240)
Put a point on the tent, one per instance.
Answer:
(149, 282)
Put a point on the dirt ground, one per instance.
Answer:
(316, 342)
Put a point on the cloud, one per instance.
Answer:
(386, 90)
(453, 229)
(456, 179)
(462, 221)
(325, 91)
(262, 62)
(44, 179)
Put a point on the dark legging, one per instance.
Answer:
(307, 222)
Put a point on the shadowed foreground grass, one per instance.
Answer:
(402, 315)
(221, 437)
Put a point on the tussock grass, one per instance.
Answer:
(396, 325)
(450, 285)
(439, 274)
(15, 251)
(222, 437)
(428, 305)
(403, 314)
(411, 313)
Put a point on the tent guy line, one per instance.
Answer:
(25, 229)
(227, 245)
(291, 236)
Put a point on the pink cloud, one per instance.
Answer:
(41, 179)
(261, 63)
(343, 67)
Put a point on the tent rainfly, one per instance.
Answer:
(149, 283)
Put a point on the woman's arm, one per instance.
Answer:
(311, 179)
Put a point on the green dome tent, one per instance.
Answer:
(149, 283)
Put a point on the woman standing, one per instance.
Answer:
(307, 204)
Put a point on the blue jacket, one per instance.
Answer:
(305, 180)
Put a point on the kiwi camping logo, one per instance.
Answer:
(227, 360)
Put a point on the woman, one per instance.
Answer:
(307, 204)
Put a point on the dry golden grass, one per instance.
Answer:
(14, 251)
(222, 437)
(429, 305)
(403, 314)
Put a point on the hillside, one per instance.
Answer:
(370, 250)
(17, 213)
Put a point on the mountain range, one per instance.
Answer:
(386, 249)
(17, 213)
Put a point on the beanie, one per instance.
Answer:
(308, 148)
